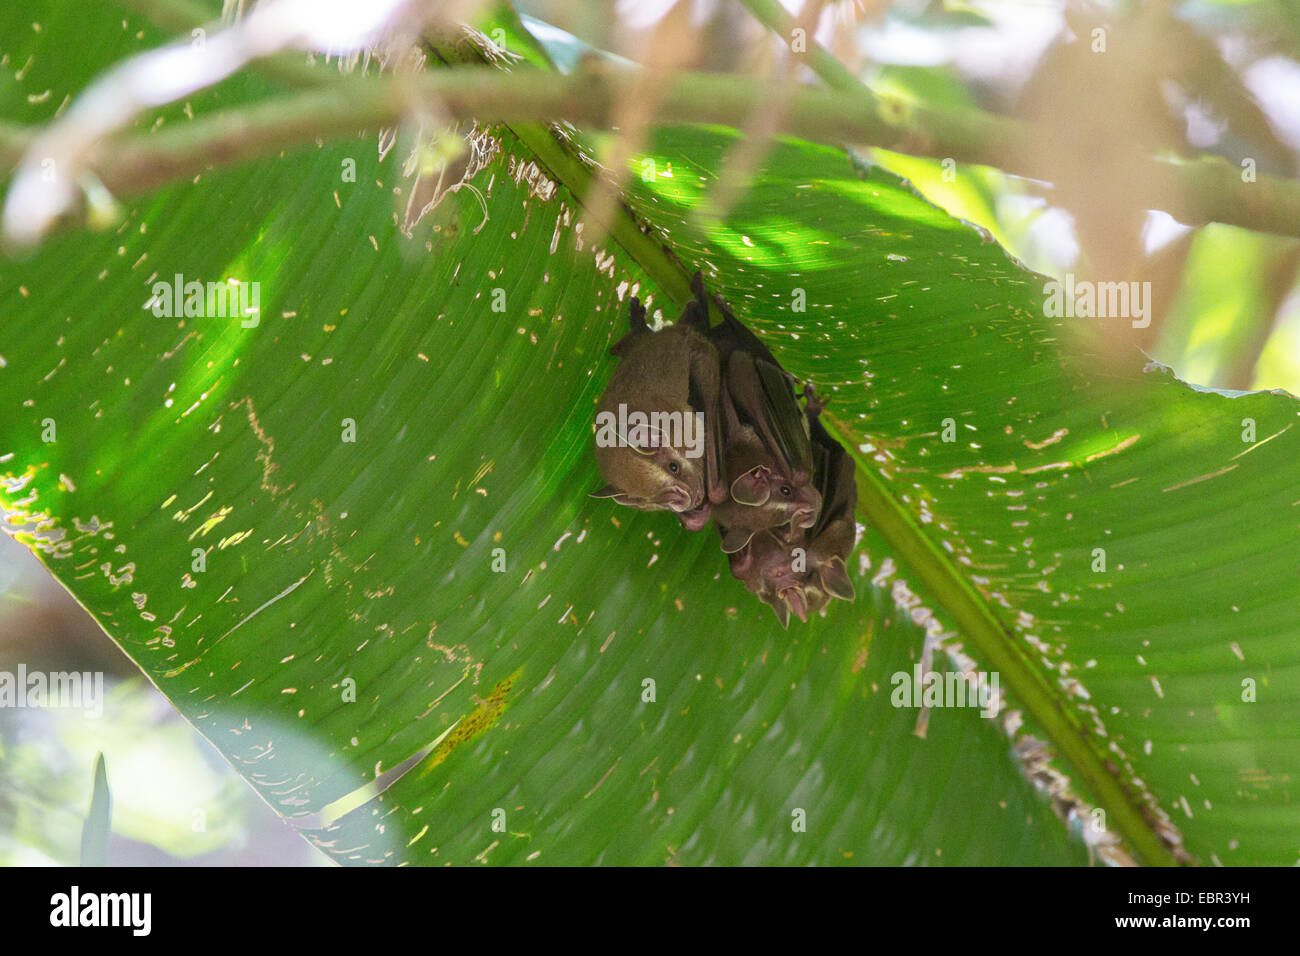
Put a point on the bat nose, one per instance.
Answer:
(795, 599)
(681, 499)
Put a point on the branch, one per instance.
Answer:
(1191, 191)
(823, 62)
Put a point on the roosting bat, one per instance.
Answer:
(768, 452)
(778, 486)
(649, 446)
(800, 570)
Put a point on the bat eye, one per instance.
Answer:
(786, 491)
(674, 467)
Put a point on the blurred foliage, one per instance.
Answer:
(1202, 77)
(173, 798)
(1183, 81)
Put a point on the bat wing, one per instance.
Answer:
(762, 397)
(731, 333)
(734, 539)
(835, 482)
(705, 395)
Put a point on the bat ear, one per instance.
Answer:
(609, 491)
(735, 540)
(835, 579)
(751, 488)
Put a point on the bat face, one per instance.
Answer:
(769, 455)
(793, 577)
(651, 478)
(767, 567)
(767, 497)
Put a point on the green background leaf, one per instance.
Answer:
(99, 821)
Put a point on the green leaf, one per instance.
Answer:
(348, 623)
(99, 821)
(1172, 664)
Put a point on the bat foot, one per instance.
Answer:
(637, 325)
(815, 403)
(636, 318)
(700, 293)
(696, 313)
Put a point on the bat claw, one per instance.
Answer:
(636, 317)
(815, 403)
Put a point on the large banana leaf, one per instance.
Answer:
(612, 695)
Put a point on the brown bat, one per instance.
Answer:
(766, 567)
(799, 570)
(650, 447)
(768, 451)
(833, 537)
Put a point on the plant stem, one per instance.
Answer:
(1193, 192)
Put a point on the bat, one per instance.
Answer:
(766, 567)
(833, 537)
(799, 570)
(768, 453)
(649, 447)
(771, 468)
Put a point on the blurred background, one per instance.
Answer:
(1107, 83)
